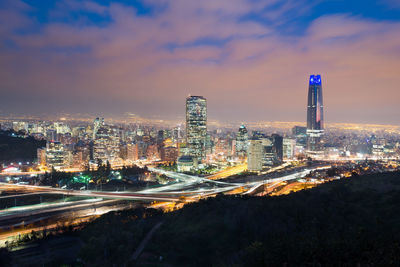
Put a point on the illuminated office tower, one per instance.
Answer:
(106, 145)
(315, 115)
(255, 155)
(242, 139)
(289, 145)
(196, 127)
(97, 124)
(269, 157)
(55, 155)
(132, 152)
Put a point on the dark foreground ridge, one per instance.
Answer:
(347, 222)
(15, 147)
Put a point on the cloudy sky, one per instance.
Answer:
(251, 59)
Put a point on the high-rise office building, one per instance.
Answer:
(255, 154)
(55, 155)
(97, 124)
(315, 115)
(242, 139)
(269, 156)
(132, 152)
(106, 145)
(196, 127)
(300, 133)
(272, 150)
(169, 153)
(277, 141)
(289, 145)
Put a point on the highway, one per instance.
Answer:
(188, 187)
(102, 194)
(289, 177)
(52, 217)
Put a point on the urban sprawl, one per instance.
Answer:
(195, 149)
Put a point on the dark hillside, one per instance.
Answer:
(13, 147)
(348, 222)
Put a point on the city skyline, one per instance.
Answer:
(252, 64)
(199, 133)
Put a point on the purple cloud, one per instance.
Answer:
(256, 73)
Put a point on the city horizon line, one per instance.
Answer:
(170, 122)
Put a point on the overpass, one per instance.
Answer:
(86, 193)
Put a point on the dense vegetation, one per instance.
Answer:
(118, 241)
(348, 222)
(15, 147)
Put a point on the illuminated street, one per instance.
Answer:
(192, 188)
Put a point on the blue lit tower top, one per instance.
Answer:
(315, 79)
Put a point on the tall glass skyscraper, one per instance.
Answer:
(315, 114)
(196, 127)
(242, 139)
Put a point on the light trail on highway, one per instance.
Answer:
(187, 188)
(164, 193)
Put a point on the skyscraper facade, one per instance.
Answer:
(278, 147)
(255, 154)
(300, 133)
(106, 145)
(272, 150)
(289, 145)
(242, 139)
(97, 124)
(55, 154)
(315, 114)
(196, 127)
